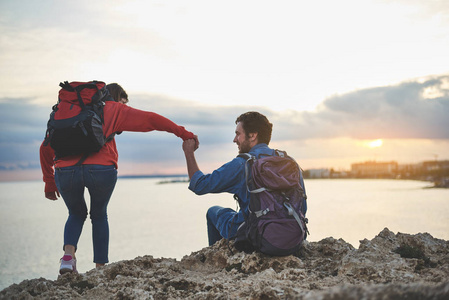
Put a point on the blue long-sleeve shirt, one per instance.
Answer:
(228, 178)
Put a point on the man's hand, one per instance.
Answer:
(190, 145)
(52, 195)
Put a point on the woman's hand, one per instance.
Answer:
(52, 195)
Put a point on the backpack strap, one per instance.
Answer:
(250, 158)
(246, 156)
(293, 213)
(280, 153)
(89, 85)
(66, 86)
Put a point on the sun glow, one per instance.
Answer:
(374, 144)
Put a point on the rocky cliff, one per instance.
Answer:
(390, 266)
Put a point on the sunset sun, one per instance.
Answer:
(375, 143)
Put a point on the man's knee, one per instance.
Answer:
(212, 211)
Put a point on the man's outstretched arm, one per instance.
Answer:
(189, 147)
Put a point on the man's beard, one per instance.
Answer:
(244, 146)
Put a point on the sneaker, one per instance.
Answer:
(68, 265)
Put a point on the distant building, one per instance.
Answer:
(435, 165)
(436, 171)
(373, 169)
(318, 173)
(408, 171)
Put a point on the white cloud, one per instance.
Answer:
(400, 111)
(283, 55)
(202, 63)
(399, 114)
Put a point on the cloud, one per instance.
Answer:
(23, 126)
(21, 120)
(174, 48)
(47, 42)
(410, 110)
(416, 109)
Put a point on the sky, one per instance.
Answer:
(342, 81)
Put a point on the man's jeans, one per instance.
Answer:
(220, 223)
(100, 181)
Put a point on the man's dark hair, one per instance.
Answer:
(252, 122)
(117, 92)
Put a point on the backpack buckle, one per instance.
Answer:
(261, 213)
(289, 208)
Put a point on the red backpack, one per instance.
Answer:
(76, 123)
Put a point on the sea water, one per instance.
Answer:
(147, 217)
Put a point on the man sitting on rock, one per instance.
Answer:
(252, 135)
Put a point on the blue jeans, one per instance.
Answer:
(221, 223)
(100, 182)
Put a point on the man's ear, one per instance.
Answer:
(253, 136)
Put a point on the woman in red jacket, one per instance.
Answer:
(98, 173)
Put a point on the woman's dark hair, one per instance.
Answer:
(252, 122)
(117, 92)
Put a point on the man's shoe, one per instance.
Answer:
(68, 265)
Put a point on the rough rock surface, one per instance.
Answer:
(390, 266)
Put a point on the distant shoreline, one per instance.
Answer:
(182, 178)
(151, 176)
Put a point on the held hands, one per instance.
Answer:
(190, 145)
(197, 142)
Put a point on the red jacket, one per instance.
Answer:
(117, 117)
